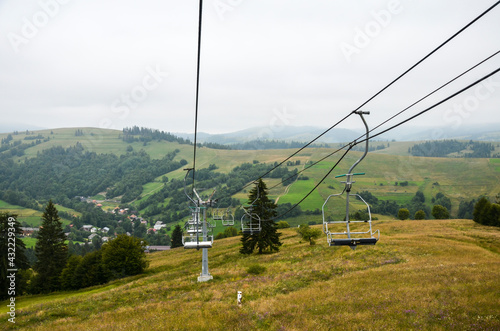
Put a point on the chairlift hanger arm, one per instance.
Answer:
(361, 113)
(188, 170)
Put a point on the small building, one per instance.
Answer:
(92, 236)
(87, 227)
(28, 231)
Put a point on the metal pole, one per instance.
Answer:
(349, 175)
(205, 275)
(348, 185)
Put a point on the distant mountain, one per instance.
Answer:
(484, 132)
(301, 134)
(487, 132)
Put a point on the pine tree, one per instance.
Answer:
(176, 237)
(51, 251)
(481, 210)
(268, 237)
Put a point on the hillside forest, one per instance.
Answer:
(91, 185)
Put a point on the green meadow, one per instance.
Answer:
(430, 275)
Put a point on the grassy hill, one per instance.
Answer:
(458, 178)
(431, 275)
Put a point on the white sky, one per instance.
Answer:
(266, 63)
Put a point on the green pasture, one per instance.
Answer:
(496, 164)
(29, 242)
(30, 216)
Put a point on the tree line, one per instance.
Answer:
(442, 148)
(55, 269)
(145, 135)
(58, 173)
(486, 212)
(417, 208)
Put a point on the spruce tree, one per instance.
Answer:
(51, 251)
(176, 237)
(268, 238)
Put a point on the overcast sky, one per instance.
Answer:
(264, 63)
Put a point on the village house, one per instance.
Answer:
(27, 232)
(92, 236)
(159, 225)
(87, 228)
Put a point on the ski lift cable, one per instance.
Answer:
(431, 53)
(392, 117)
(311, 165)
(197, 88)
(434, 91)
(299, 150)
(386, 87)
(436, 104)
(343, 119)
(316, 186)
(352, 144)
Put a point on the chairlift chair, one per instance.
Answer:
(217, 215)
(348, 237)
(228, 217)
(197, 241)
(250, 223)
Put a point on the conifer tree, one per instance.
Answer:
(268, 238)
(51, 251)
(176, 237)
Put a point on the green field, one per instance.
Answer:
(429, 275)
(30, 216)
(458, 178)
(496, 164)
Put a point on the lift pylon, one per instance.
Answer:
(199, 238)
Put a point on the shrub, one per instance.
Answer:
(420, 215)
(282, 225)
(124, 256)
(403, 214)
(440, 213)
(308, 233)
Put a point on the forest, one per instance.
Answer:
(443, 148)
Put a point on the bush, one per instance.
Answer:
(256, 269)
(403, 214)
(228, 232)
(420, 215)
(124, 256)
(308, 233)
(282, 225)
(440, 213)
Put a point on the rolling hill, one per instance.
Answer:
(429, 274)
(384, 167)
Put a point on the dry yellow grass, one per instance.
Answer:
(432, 275)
